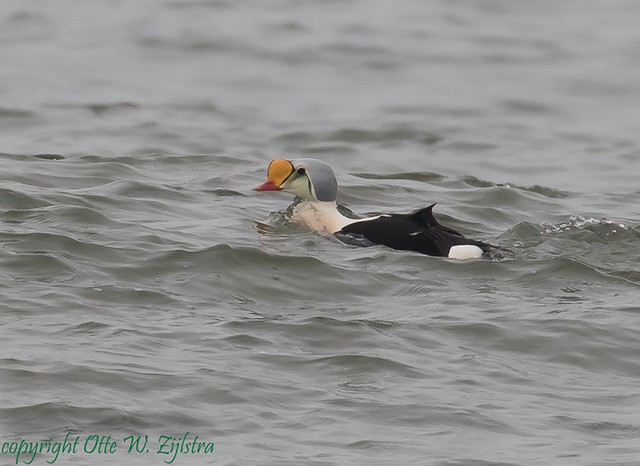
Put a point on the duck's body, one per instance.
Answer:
(315, 182)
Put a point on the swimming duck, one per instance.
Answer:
(315, 182)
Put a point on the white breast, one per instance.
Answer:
(322, 217)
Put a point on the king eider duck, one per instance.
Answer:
(315, 182)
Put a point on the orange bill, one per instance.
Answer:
(278, 171)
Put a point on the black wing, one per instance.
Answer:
(426, 218)
(418, 231)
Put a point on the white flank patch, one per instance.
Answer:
(465, 251)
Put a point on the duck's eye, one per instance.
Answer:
(301, 171)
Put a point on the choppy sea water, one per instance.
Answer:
(142, 295)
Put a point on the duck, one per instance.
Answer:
(315, 183)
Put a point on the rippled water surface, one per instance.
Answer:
(145, 289)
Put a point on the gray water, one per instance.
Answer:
(142, 294)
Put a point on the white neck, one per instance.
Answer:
(322, 216)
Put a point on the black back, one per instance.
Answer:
(418, 231)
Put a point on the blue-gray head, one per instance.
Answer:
(307, 178)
